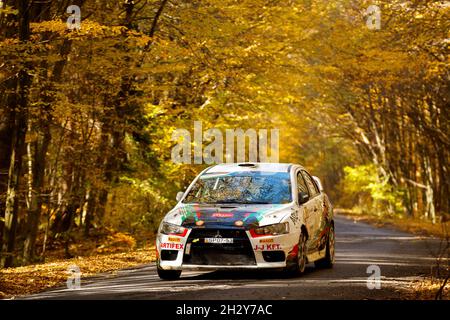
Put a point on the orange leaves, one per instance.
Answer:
(49, 26)
(88, 28)
(32, 279)
(117, 242)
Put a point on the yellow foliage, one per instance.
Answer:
(117, 242)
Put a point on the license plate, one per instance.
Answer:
(219, 240)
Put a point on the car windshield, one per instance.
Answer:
(241, 188)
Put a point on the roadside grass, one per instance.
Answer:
(428, 289)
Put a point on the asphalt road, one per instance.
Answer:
(401, 257)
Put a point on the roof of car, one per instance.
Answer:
(250, 166)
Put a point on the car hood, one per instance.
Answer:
(223, 216)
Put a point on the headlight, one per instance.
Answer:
(272, 230)
(172, 229)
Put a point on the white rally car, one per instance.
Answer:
(248, 216)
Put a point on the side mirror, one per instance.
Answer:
(318, 182)
(303, 197)
(179, 196)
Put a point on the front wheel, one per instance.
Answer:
(168, 274)
(328, 261)
(298, 266)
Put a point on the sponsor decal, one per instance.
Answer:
(294, 217)
(267, 247)
(176, 246)
(222, 215)
(174, 239)
(266, 241)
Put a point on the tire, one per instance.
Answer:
(298, 266)
(328, 261)
(168, 274)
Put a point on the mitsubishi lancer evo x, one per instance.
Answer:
(248, 216)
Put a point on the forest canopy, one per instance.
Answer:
(87, 114)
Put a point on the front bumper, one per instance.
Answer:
(192, 253)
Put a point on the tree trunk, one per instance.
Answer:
(6, 129)
(429, 193)
(12, 201)
(19, 122)
(36, 200)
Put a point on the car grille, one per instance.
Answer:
(238, 253)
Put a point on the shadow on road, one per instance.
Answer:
(247, 275)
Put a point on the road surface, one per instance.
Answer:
(401, 257)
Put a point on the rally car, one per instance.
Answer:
(248, 216)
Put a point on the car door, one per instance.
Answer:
(315, 212)
(324, 218)
(307, 208)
